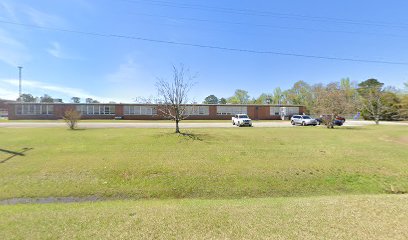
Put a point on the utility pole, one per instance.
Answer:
(19, 83)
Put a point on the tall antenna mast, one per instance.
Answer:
(19, 83)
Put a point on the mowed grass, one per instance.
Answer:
(336, 217)
(208, 164)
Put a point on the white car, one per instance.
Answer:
(241, 120)
(303, 120)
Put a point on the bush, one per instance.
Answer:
(72, 117)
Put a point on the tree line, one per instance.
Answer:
(26, 97)
(369, 98)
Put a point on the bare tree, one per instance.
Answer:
(146, 100)
(71, 117)
(174, 95)
(332, 100)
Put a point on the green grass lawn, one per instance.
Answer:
(338, 217)
(213, 183)
(214, 163)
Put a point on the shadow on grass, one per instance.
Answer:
(192, 136)
(354, 128)
(186, 136)
(14, 154)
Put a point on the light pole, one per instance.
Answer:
(19, 83)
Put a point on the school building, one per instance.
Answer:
(20, 111)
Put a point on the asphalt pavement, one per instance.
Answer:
(262, 124)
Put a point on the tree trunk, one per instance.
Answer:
(177, 126)
(377, 120)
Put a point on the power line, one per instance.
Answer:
(270, 26)
(203, 45)
(251, 12)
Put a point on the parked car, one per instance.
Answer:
(241, 120)
(303, 120)
(338, 121)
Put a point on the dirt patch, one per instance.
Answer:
(401, 140)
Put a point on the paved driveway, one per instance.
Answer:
(153, 124)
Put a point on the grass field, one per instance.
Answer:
(338, 217)
(252, 181)
(212, 163)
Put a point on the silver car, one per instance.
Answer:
(303, 120)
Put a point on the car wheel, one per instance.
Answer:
(238, 124)
(303, 124)
(292, 122)
(233, 123)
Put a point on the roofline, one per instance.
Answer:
(148, 104)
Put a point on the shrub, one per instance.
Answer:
(72, 117)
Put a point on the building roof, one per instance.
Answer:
(156, 104)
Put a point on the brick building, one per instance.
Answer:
(18, 111)
(3, 107)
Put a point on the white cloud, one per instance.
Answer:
(55, 50)
(20, 12)
(8, 10)
(130, 80)
(5, 38)
(8, 94)
(12, 52)
(41, 18)
(39, 88)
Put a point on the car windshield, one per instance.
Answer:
(306, 117)
(242, 116)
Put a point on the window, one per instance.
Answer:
(197, 110)
(92, 109)
(275, 111)
(231, 110)
(139, 110)
(292, 110)
(34, 109)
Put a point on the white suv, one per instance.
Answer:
(241, 120)
(303, 120)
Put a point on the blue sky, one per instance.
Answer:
(64, 64)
